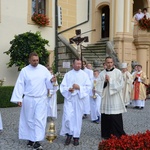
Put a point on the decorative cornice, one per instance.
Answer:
(123, 36)
(142, 47)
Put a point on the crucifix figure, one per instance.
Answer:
(78, 40)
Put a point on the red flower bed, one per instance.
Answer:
(40, 19)
(140, 141)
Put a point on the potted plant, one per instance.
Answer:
(40, 19)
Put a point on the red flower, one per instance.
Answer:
(140, 141)
(144, 23)
(40, 19)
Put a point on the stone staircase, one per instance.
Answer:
(95, 53)
(92, 53)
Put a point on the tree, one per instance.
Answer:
(22, 45)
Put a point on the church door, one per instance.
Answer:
(105, 22)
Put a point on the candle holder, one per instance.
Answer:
(49, 94)
(94, 94)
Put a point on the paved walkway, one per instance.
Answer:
(134, 121)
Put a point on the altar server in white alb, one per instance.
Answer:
(75, 87)
(87, 100)
(52, 98)
(95, 100)
(1, 124)
(30, 92)
(109, 86)
(128, 80)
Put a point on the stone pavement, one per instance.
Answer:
(134, 121)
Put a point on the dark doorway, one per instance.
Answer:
(139, 5)
(105, 22)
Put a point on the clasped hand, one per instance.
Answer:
(74, 87)
(107, 78)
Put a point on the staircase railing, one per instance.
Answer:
(68, 45)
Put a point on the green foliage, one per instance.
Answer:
(6, 92)
(53, 67)
(60, 98)
(22, 45)
(1, 82)
(5, 95)
(59, 77)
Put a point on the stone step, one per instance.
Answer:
(95, 48)
(94, 55)
(97, 45)
(94, 51)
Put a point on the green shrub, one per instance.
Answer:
(6, 92)
(60, 98)
(22, 45)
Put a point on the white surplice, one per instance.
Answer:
(87, 100)
(95, 105)
(32, 82)
(1, 124)
(74, 102)
(52, 101)
(111, 96)
(128, 81)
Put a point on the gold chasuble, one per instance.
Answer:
(139, 88)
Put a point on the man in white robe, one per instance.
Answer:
(128, 81)
(75, 87)
(30, 92)
(109, 86)
(89, 66)
(95, 100)
(1, 124)
(87, 100)
(52, 98)
(52, 101)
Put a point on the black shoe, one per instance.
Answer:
(75, 141)
(37, 146)
(136, 107)
(96, 121)
(68, 139)
(84, 116)
(30, 144)
(141, 107)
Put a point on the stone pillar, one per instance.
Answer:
(123, 37)
(142, 53)
(142, 43)
(119, 15)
